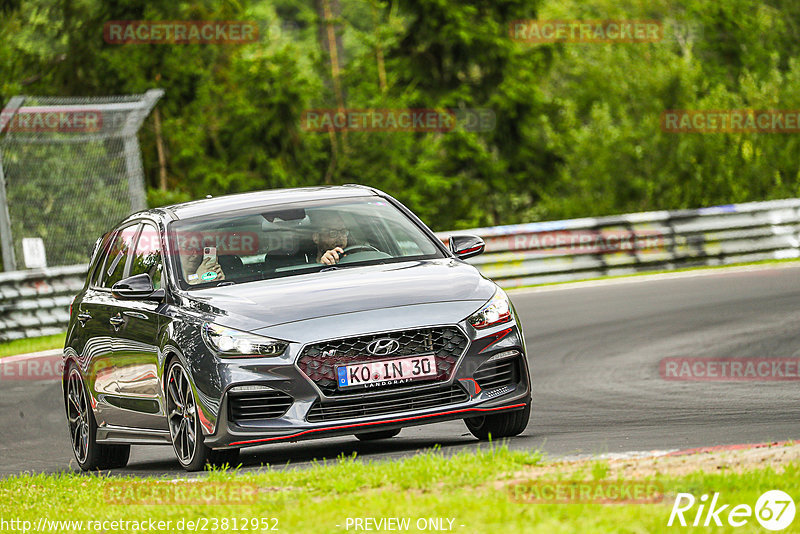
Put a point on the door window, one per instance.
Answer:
(117, 258)
(147, 257)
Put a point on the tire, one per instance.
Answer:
(502, 425)
(184, 424)
(378, 434)
(90, 455)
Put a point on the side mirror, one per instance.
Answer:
(138, 287)
(466, 246)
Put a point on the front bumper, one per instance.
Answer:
(233, 436)
(296, 424)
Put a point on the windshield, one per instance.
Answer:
(292, 239)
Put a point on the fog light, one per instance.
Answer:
(238, 389)
(504, 355)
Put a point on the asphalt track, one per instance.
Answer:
(595, 353)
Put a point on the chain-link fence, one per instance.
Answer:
(69, 169)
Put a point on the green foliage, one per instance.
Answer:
(577, 125)
(469, 488)
(32, 344)
(158, 197)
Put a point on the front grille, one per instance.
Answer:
(319, 361)
(387, 402)
(258, 405)
(496, 374)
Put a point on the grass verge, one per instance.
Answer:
(466, 492)
(33, 344)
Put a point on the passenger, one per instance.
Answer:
(194, 266)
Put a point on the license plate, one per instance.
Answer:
(384, 372)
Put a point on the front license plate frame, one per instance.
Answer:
(365, 375)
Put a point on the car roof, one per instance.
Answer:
(270, 197)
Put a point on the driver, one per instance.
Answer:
(330, 237)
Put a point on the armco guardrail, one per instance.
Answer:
(576, 249)
(36, 303)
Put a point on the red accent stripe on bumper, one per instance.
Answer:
(477, 387)
(355, 425)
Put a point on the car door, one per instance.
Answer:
(95, 313)
(136, 352)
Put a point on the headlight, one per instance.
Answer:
(496, 311)
(230, 343)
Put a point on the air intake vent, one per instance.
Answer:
(258, 405)
(387, 402)
(497, 374)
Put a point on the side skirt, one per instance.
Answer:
(135, 436)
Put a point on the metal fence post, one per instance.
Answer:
(133, 165)
(6, 237)
(6, 240)
(133, 161)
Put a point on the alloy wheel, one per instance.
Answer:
(78, 416)
(182, 409)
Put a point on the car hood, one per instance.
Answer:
(256, 305)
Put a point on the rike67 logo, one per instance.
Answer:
(774, 510)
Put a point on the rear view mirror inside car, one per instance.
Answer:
(285, 215)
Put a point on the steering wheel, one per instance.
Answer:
(354, 253)
(353, 249)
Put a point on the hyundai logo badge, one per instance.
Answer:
(383, 347)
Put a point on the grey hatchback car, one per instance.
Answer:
(280, 316)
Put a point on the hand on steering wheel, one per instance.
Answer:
(337, 254)
(359, 248)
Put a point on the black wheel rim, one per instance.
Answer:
(181, 409)
(78, 416)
